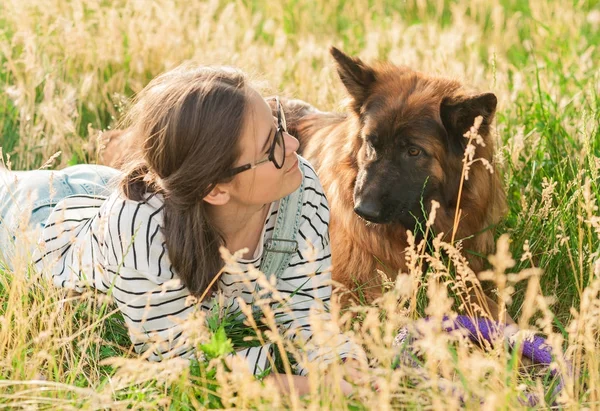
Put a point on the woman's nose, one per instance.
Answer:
(291, 143)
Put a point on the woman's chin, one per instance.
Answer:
(293, 178)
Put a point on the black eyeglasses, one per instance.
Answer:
(277, 150)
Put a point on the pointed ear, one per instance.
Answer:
(219, 195)
(356, 76)
(458, 115)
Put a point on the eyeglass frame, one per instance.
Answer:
(281, 128)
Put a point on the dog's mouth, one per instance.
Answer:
(400, 216)
(382, 218)
(369, 222)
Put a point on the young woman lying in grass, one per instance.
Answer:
(215, 170)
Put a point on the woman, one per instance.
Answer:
(214, 167)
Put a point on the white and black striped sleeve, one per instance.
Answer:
(67, 250)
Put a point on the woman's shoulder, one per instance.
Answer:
(128, 219)
(311, 182)
(314, 201)
(133, 233)
(150, 206)
(309, 170)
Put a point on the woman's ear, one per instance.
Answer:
(219, 195)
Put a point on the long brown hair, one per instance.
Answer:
(188, 122)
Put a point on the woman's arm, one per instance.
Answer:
(158, 309)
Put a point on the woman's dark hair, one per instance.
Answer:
(188, 122)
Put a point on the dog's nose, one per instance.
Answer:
(369, 210)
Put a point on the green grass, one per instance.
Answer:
(555, 155)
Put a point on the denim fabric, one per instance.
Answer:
(33, 194)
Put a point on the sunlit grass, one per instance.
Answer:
(68, 68)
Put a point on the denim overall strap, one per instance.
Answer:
(278, 250)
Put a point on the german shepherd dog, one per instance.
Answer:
(400, 145)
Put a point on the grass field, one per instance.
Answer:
(69, 67)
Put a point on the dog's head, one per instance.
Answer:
(410, 128)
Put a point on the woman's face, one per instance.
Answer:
(265, 183)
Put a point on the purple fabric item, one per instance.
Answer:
(535, 349)
(481, 329)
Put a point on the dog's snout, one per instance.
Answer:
(369, 210)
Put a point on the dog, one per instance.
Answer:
(399, 146)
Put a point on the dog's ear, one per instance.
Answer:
(458, 115)
(357, 76)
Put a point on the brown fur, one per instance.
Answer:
(333, 143)
(116, 147)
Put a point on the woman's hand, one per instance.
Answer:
(282, 382)
(301, 384)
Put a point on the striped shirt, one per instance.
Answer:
(117, 246)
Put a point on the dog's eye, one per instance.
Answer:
(372, 140)
(413, 151)
(370, 148)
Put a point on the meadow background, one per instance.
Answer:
(69, 67)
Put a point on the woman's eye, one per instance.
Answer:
(413, 151)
